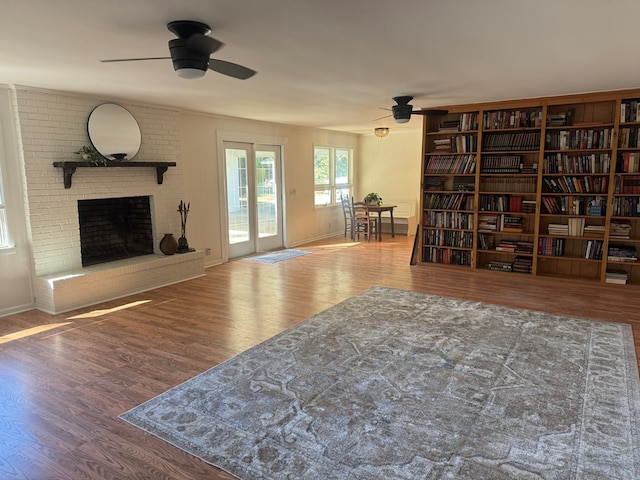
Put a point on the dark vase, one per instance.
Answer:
(168, 244)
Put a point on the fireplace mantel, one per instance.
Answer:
(69, 168)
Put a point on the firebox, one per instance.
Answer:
(114, 229)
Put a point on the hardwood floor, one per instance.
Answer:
(63, 387)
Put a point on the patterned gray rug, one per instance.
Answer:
(393, 384)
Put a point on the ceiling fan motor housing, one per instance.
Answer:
(183, 57)
(401, 113)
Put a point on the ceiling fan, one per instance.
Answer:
(402, 111)
(191, 51)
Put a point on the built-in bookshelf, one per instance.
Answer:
(544, 187)
(624, 232)
(449, 189)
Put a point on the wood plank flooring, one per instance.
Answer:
(63, 386)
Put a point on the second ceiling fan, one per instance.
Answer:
(402, 111)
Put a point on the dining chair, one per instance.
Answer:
(348, 216)
(363, 222)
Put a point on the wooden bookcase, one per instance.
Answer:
(546, 187)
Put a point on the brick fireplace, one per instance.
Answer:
(61, 281)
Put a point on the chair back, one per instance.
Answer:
(346, 207)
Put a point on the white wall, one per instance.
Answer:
(15, 263)
(53, 125)
(202, 136)
(390, 166)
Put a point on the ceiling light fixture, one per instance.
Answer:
(381, 132)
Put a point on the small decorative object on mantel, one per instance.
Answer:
(373, 199)
(183, 245)
(90, 154)
(168, 244)
(119, 157)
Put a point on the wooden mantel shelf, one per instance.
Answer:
(69, 168)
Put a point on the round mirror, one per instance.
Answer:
(113, 132)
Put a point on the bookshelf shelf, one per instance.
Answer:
(533, 164)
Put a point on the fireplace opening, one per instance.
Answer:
(114, 229)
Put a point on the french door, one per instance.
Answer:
(254, 197)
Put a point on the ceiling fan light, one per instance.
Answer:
(381, 132)
(401, 120)
(191, 73)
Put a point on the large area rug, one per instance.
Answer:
(392, 384)
(278, 256)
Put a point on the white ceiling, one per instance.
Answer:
(326, 63)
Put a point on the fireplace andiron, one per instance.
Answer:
(183, 245)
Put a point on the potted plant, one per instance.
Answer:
(373, 199)
(90, 154)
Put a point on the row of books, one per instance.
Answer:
(627, 184)
(519, 141)
(622, 253)
(465, 122)
(571, 205)
(520, 264)
(560, 119)
(625, 207)
(629, 111)
(446, 256)
(573, 184)
(593, 249)
(628, 162)
(523, 264)
(501, 222)
(502, 164)
(514, 246)
(506, 203)
(512, 119)
(509, 184)
(464, 184)
(558, 229)
(629, 138)
(448, 201)
(551, 246)
(580, 139)
(434, 183)
(618, 277)
(620, 229)
(500, 266)
(563, 163)
(460, 220)
(458, 144)
(449, 238)
(451, 164)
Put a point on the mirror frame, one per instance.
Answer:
(114, 132)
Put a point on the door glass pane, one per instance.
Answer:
(267, 193)
(237, 195)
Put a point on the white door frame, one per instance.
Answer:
(243, 137)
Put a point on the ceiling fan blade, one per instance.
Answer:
(231, 69)
(203, 45)
(134, 59)
(376, 119)
(429, 112)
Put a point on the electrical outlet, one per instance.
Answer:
(207, 251)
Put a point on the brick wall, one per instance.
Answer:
(53, 126)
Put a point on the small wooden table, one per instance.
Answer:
(380, 209)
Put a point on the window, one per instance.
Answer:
(332, 170)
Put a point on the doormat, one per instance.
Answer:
(279, 256)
